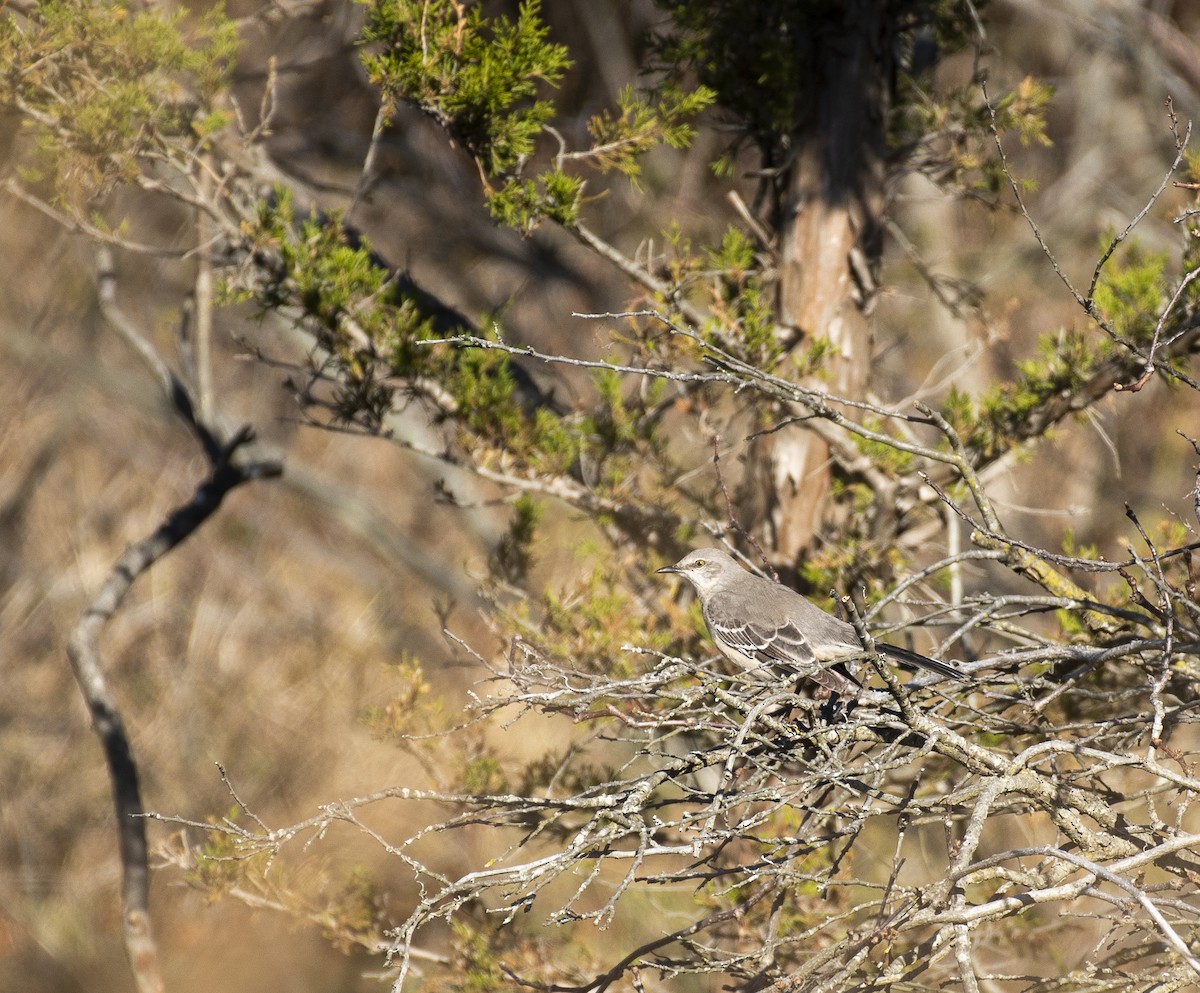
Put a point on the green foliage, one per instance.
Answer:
(1005, 415)
(482, 384)
(556, 444)
(1070, 623)
(620, 140)
(356, 915)
(378, 338)
(102, 86)
(514, 552)
(949, 136)
(813, 357)
(832, 569)
(748, 317)
(735, 257)
(1129, 296)
(729, 282)
(483, 774)
(330, 275)
(1001, 418)
(881, 453)
(220, 862)
(1069, 546)
(477, 77)
(370, 328)
(311, 265)
(524, 204)
(413, 710)
(1063, 363)
(761, 61)
(1023, 111)
(959, 410)
(749, 55)
(589, 622)
(567, 771)
(1131, 293)
(477, 955)
(612, 420)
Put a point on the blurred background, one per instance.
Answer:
(263, 641)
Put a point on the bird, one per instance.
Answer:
(766, 628)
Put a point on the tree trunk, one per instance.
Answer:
(829, 251)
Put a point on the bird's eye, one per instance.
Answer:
(699, 563)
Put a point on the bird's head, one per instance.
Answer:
(705, 568)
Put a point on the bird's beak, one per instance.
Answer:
(669, 568)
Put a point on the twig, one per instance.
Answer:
(1149, 366)
(733, 520)
(74, 224)
(1180, 154)
(174, 389)
(203, 291)
(636, 272)
(368, 178)
(1088, 302)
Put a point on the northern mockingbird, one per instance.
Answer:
(769, 630)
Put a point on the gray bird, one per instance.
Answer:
(770, 630)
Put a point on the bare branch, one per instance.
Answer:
(84, 653)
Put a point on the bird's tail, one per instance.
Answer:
(921, 662)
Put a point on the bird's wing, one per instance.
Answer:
(830, 637)
(781, 647)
